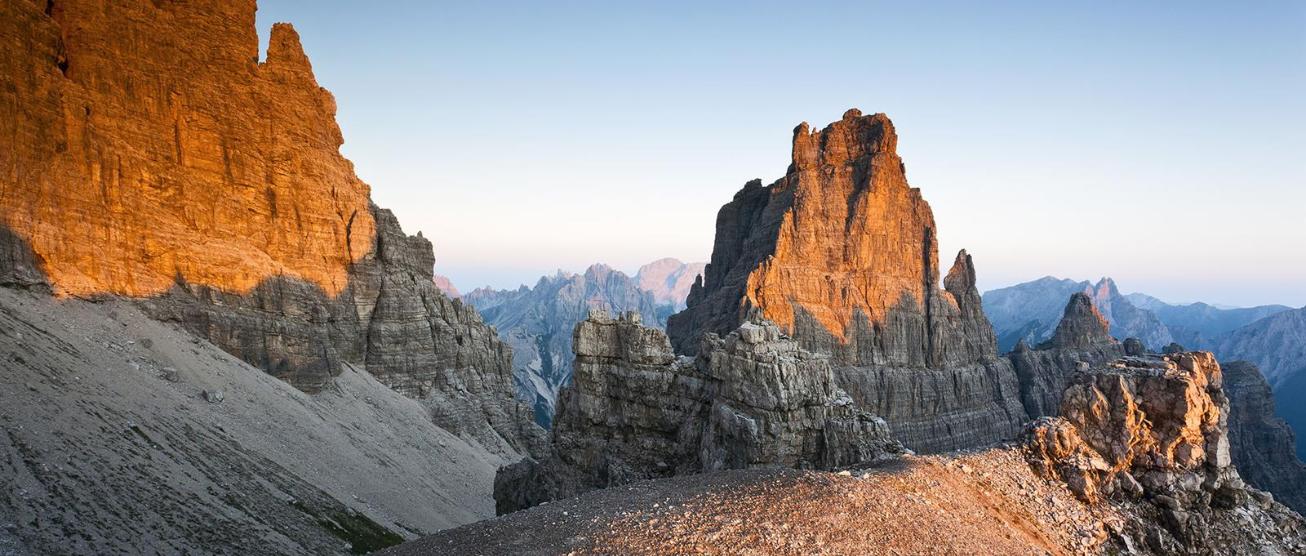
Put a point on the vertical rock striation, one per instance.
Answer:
(842, 254)
(147, 153)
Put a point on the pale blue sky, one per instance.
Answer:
(1163, 145)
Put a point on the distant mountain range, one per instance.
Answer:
(1271, 336)
(538, 322)
(1031, 311)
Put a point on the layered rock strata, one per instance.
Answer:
(842, 254)
(1081, 342)
(147, 153)
(1151, 436)
(635, 411)
(1263, 446)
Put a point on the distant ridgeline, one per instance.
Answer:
(538, 322)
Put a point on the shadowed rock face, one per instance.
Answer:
(214, 192)
(752, 399)
(842, 255)
(1262, 444)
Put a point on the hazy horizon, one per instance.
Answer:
(1159, 145)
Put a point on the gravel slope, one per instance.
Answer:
(982, 503)
(110, 447)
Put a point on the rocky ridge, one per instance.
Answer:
(1150, 434)
(635, 411)
(842, 255)
(1081, 342)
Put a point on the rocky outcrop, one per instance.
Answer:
(214, 193)
(1030, 312)
(1151, 436)
(1081, 342)
(669, 280)
(538, 324)
(1263, 446)
(842, 255)
(635, 411)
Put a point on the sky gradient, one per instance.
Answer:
(1163, 145)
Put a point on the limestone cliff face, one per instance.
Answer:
(145, 144)
(1262, 444)
(634, 411)
(842, 254)
(147, 153)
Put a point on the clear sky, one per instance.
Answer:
(1161, 144)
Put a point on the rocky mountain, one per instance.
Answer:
(1031, 311)
(1151, 434)
(1081, 341)
(752, 399)
(1202, 325)
(537, 322)
(1276, 344)
(669, 280)
(1138, 462)
(1263, 446)
(149, 155)
(842, 255)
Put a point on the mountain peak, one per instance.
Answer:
(1082, 324)
(848, 140)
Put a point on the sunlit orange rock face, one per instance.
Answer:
(843, 254)
(144, 143)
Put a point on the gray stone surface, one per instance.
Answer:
(107, 446)
(635, 411)
(1080, 342)
(391, 320)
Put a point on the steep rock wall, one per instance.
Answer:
(842, 254)
(147, 153)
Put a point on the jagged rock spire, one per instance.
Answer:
(1082, 325)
